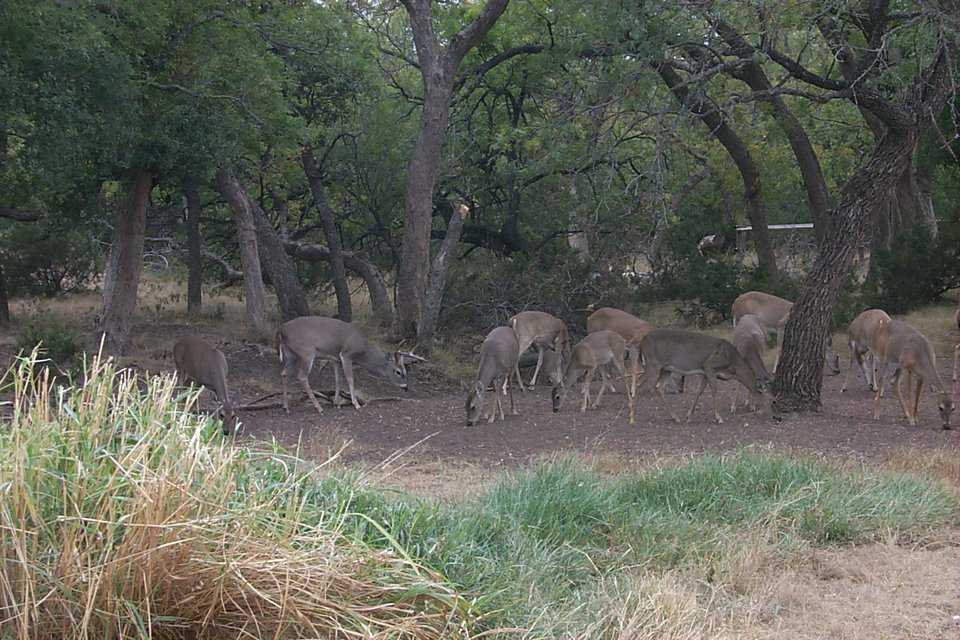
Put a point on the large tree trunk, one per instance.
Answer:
(253, 289)
(438, 67)
(337, 270)
(740, 155)
(376, 285)
(191, 194)
(124, 264)
(438, 274)
(291, 299)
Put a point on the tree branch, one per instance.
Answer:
(470, 35)
(18, 214)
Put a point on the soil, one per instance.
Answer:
(428, 423)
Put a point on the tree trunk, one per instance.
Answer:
(438, 67)
(799, 372)
(253, 290)
(741, 157)
(4, 300)
(194, 248)
(291, 300)
(124, 264)
(376, 285)
(441, 264)
(337, 270)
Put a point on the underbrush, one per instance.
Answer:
(125, 515)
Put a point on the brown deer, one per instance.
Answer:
(750, 341)
(302, 340)
(667, 351)
(498, 360)
(205, 365)
(631, 328)
(543, 331)
(859, 337)
(597, 350)
(906, 347)
(773, 312)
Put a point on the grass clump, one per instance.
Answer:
(122, 514)
(58, 342)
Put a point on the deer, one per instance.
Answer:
(667, 351)
(631, 328)
(906, 347)
(750, 341)
(498, 360)
(773, 312)
(596, 351)
(302, 340)
(543, 331)
(859, 337)
(197, 361)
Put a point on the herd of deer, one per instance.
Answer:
(877, 343)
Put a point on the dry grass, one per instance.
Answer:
(123, 515)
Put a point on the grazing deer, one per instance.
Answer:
(773, 312)
(750, 341)
(859, 337)
(903, 345)
(544, 332)
(498, 360)
(597, 350)
(667, 351)
(198, 361)
(631, 328)
(303, 339)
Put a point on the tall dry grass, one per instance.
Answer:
(123, 514)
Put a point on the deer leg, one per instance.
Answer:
(604, 380)
(854, 357)
(536, 371)
(696, 398)
(898, 380)
(284, 366)
(509, 390)
(494, 400)
(303, 375)
(916, 399)
(662, 375)
(337, 400)
(519, 379)
(879, 392)
(348, 374)
(587, 379)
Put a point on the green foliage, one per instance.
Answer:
(59, 343)
(917, 269)
(50, 261)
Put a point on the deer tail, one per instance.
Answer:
(279, 339)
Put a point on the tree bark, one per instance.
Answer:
(253, 289)
(376, 285)
(438, 274)
(337, 270)
(4, 300)
(438, 67)
(291, 300)
(741, 157)
(124, 264)
(752, 74)
(191, 194)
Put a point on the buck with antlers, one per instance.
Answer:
(860, 336)
(302, 340)
(498, 360)
(906, 347)
(773, 313)
(543, 331)
(596, 351)
(687, 353)
(198, 361)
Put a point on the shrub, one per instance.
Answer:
(916, 270)
(58, 342)
(50, 261)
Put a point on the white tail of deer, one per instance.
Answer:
(899, 343)
(596, 351)
(859, 337)
(199, 362)
(773, 313)
(498, 360)
(543, 331)
(667, 351)
(302, 340)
